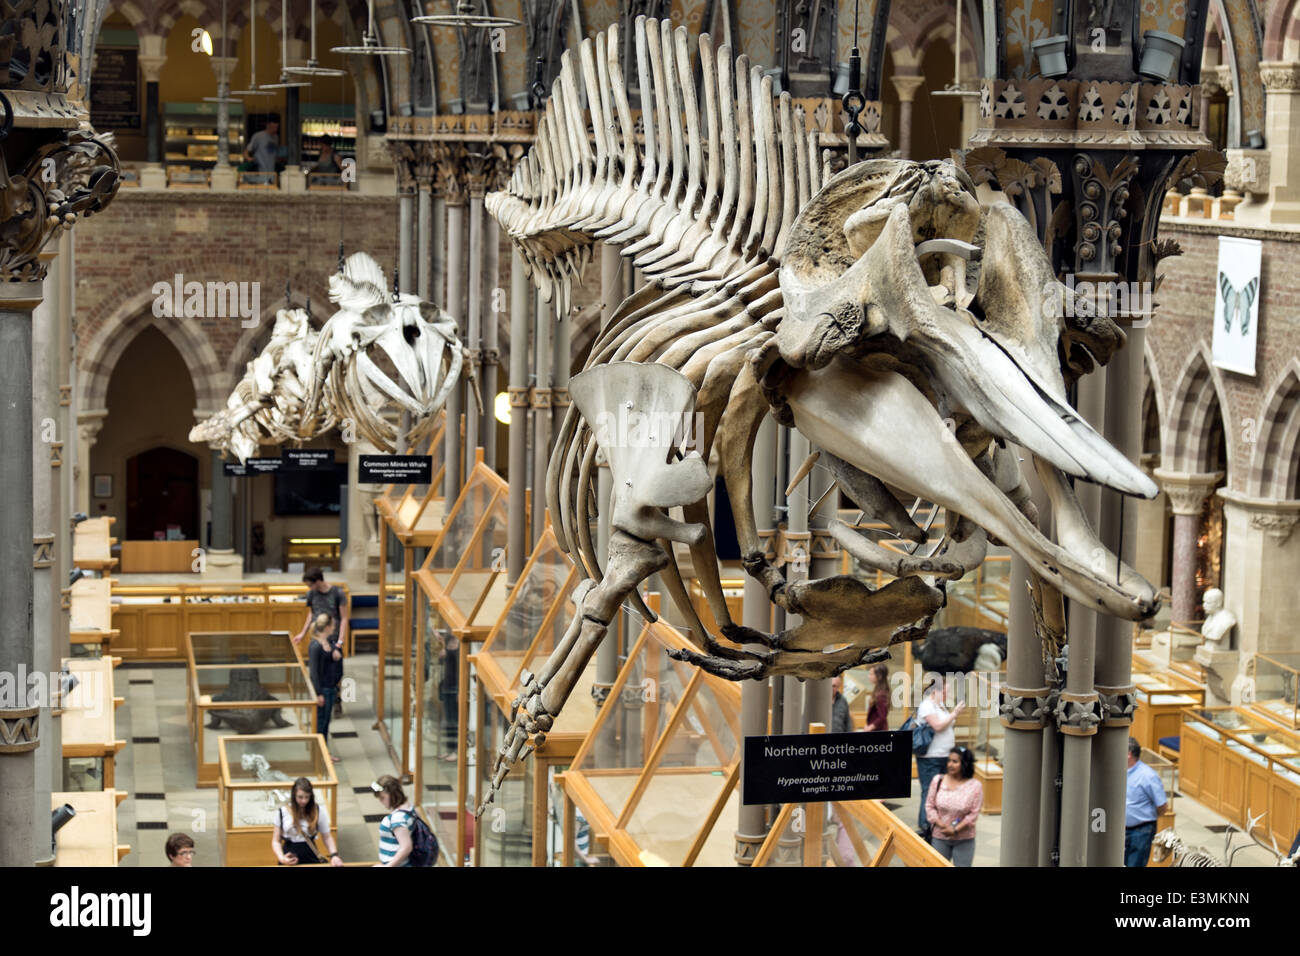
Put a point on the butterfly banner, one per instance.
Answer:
(1236, 304)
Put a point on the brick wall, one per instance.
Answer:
(1183, 326)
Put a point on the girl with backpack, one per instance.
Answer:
(404, 838)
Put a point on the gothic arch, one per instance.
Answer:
(1275, 467)
(118, 331)
(1195, 424)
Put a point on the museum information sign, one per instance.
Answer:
(816, 768)
(400, 469)
(115, 94)
(307, 459)
(251, 466)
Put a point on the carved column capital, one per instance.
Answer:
(907, 87)
(450, 172)
(89, 423)
(1102, 193)
(1187, 492)
(1280, 77)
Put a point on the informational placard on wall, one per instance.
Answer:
(252, 466)
(816, 768)
(385, 469)
(115, 94)
(1236, 304)
(307, 459)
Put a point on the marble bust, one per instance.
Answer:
(1219, 621)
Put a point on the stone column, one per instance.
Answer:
(1260, 567)
(221, 561)
(19, 551)
(89, 422)
(1282, 87)
(474, 424)
(751, 828)
(906, 87)
(1187, 494)
(543, 375)
(493, 306)
(223, 174)
(152, 57)
(521, 299)
(452, 180)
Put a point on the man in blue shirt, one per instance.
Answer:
(1146, 801)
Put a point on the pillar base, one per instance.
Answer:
(223, 566)
(1221, 671)
(223, 179)
(153, 176)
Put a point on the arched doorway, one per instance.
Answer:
(162, 495)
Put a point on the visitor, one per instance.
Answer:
(952, 805)
(878, 711)
(180, 850)
(324, 598)
(325, 665)
(329, 160)
(841, 722)
(931, 763)
(395, 829)
(264, 146)
(1146, 800)
(296, 826)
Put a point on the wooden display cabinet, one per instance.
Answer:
(89, 838)
(659, 768)
(1233, 762)
(92, 544)
(1162, 697)
(89, 730)
(90, 614)
(250, 664)
(1275, 682)
(256, 775)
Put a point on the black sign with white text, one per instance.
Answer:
(251, 466)
(816, 768)
(304, 459)
(386, 469)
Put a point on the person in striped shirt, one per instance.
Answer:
(395, 829)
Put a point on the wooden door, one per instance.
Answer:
(162, 489)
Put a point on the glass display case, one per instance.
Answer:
(250, 683)
(536, 616)
(92, 544)
(1162, 697)
(89, 728)
(90, 617)
(256, 775)
(660, 765)
(853, 833)
(1275, 685)
(90, 837)
(1239, 764)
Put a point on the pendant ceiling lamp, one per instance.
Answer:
(370, 40)
(284, 82)
(254, 89)
(466, 17)
(219, 98)
(313, 67)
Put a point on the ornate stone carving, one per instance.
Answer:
(451, 173)
(1024, 708)
(1186, 491)
(20, 729)
(1280, 77)
(1078, 714)
(1118, 704)
(1247, 170)
(43, 548)
(1277, 524)
(1101, 195)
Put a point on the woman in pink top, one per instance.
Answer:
(952, 807)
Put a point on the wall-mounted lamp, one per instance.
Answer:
(1051, 53)
(1160, 55)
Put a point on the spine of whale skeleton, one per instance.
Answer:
(915, 336)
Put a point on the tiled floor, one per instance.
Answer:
(157, 768)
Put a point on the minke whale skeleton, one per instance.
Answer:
(305, 382)
(910, 332)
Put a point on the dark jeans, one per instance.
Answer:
(927, 768)
(1137, 843)
(324, 713)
